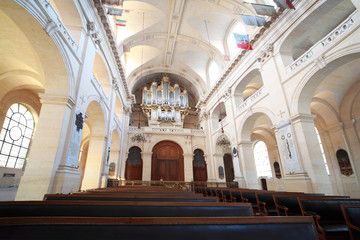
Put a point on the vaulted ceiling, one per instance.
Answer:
(180, 38)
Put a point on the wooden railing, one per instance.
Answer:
(186, 186)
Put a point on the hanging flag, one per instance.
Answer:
(121, 23)
(284, 4)
(242, 41)
(226, 58)
(254, 21)
(262, 9)
(115, 11)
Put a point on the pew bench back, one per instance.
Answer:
(247, 228)
(122, 209)
(95, 197)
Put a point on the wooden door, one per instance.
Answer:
(199, 166)
(133, 168)
(168, 169)
(167, 162)
(229, 169)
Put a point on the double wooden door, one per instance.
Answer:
(167, 162)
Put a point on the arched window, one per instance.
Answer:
(344, 162)
(322, 151)
(214, 72)
(238, 28)
(262, 162)
(15, 136)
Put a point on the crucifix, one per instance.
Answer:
(82, 99)
(281, 113)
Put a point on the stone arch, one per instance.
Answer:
(218, 114)
(35, 67)
(175, 139)
(114, 152)
(102, 73)
(252, 114)
(167, 161)
(118, 109)
(199, 166)
(255, 127)
(134, 164)
(70, 15)
(248, 85)
(349, 108)
(24, 97)
(94, 161)
(310, 28)
(308, 86)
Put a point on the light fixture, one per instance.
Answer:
(223, 141)
(138, 136)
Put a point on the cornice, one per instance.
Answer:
(111, 39)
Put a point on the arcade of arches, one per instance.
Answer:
(72, 84)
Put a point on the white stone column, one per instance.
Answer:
(46, 148)
(92, 173)
(105, 161)
(67, 177)
(247, 162)
(188, 167)
(239, 177)
(146, 156)
(124, 148)
(310, 156)
(210, 168)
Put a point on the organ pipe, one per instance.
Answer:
(165, 102)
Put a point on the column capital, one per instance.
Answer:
(301, 117)
(58, 100)
(245, 144)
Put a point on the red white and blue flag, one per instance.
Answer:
(242, 41)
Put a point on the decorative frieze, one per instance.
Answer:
(259, 94)
(322, 45)
(266, 53)
(300, 61)
(227, 94)
(110, 36)
(337, 32)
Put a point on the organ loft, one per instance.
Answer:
(165, 104)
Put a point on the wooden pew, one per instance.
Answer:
(122, 209)
(351, 214)
(134, 194)
(287, 204)
(95, 197)
(329, 219)
(157, 189)
(245, 228)
(266, 204)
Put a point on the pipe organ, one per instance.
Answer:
(165, 104)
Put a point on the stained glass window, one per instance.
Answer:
(262, 162)
(15, 136)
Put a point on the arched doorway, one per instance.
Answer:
(229, 168)
(199, 166)
(167, 162)
(133, 168)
